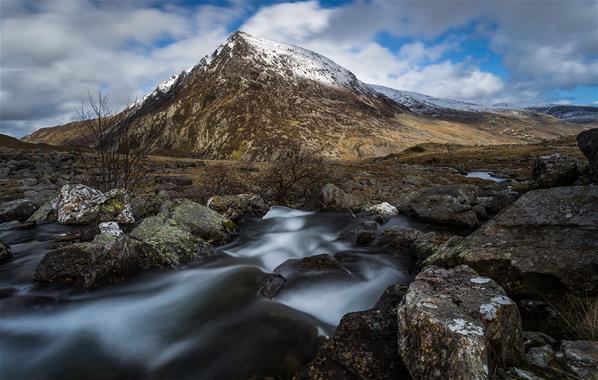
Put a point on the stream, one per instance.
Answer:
(203, 321)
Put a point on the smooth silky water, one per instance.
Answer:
(205, 321)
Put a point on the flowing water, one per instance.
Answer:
(205, 321)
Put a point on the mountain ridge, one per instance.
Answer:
(253, 97)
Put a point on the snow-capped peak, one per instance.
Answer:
(293, 61)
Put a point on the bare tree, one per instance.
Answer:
(120, 152)
(295, 177)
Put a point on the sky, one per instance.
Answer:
(537, 51)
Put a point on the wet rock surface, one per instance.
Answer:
(543, 244)
(364, 345)
(19, 209)
(5, 252)
(199, 220)
(238, 207)
(409, 241)
(456, 324)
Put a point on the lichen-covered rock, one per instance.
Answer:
(199, 220)
(5, 252)
(238, 207)
(581, 358)
(364, 345)
(145, 205)
(106, 259)
(450, 204)
(383, 211)
(80, 204)
(165, 243)
(45, 213)
(454, 324)
(546, 243)
(19, 209)
(555, 170)
(588, 144)
(334, 198)
(110, 228)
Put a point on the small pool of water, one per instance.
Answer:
(485, 175)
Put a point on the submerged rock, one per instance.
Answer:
(455, 324)
(555, 170)
(5, 252)
(317, 264)
(364, 345)
(238, 207)
(19, 209)
(546, 243)
(271, 285)
(199, 220)
(588, 144)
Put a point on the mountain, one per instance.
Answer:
(253, 97)
(437, 107)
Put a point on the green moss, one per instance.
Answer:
(238, 154)
(229, 225)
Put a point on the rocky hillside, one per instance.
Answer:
(253, 97)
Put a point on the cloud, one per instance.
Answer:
(54, 54)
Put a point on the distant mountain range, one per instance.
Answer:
(253, 98)
(428, 105)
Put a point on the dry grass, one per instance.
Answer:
(580, 315)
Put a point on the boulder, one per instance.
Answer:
(588, 144)
(366, 232)
(450, 204)
(5, 252)
(545, 244)
(199, 220)
(454, 324)
(417, 244)
(383, 211)
(335, 199)
(110, 229)
(106, 259)
(145, 205)
(80, 204)
(238, 207)
(555, 170)
(165, 243)
(19, 209)
(364, 345)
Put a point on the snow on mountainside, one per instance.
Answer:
(424, 104)
(418, 102)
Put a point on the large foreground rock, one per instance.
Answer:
(199, 220)
(238, 207)
(546, 243)
(19, 209)
(588, 144)
(80, 204)
(454, 324)
(364, 345)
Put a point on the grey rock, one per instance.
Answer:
(588, 144)
(555, 170)
(334, 198)
(238, 207)
(19, 209)
(455, 324)
(581, 357)
(5, 252)
(450, 204)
